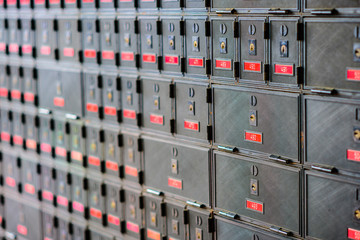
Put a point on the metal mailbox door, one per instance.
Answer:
(337, 120)
(244, 6)
(73, 87)
(63, 189)
(46, 135)
(154, 217)
(18, 133)
(48, 227)
(79, 193)
(63, 232)
(69, 39)
(11, 216)
(96, 200)
(77, 142)
(93, 94)
(4, 82)
(27, 37)
(30, 178)
(50, 88)
(45, 38)
(32, 132)
(179, 167)
(90, 39)
(128, 42)
(16, 73)
(111, 97)
(6, 117)
(256, 122)
(114, 208)
(150, 43)
(223, 49)
(14, 37)
(61, 141)
(33, 222)
(199, 224)
(345, 6)
(3, 37)
(48, 184)
(132, 157)
(131, 100)
(284, 50)
(332, 205)
(196, 45)
(94, 147)
(175, 221)
(172, 44)
(266, 192)
(156, 104)
(113, 158)
(252, 49)
(29, 85)
(134, 214)
(192, 110)
(11, 172)
(108, 41)
(339, 67)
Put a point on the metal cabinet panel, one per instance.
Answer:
(154, 217)
(134, 214)
(339, 67)
(114, 206)
(17, 131)
(178, 168)
(253, 49)
(199, 224)
(32, 226)
(4, 82)
(79, 194)
(111, 97)
(157, 104)
(6, 117)
(30, 177)
(48, 192)
(46, 37)
(96, 199)
(192, 110)
(12, 217)
(90, 39)
(128, 42)
(133, 166)
(284, 50)
(29, 86)
(61, 139)
(63, 229)
(49, 230)
(172, 44)
(15, 83)
(11, 172)
(223, 49)
(69, 38)
(95, 147)
(175, 220)
(93, 94)
(63, 189)
(108, 40)
(345, 6)
(31, 133)
(331, 205)
(14, 35)
(113, 143)
(27, 37)
(131, 100)
(256, 122)
(331, 125)
(266, 192)
(77, 142)
(3, 36)
(256, 6)
(149, 44)
(46, 135)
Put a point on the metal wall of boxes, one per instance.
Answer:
(180, 119)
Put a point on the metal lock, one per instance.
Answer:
(127, 40)
(171, 40)
(108, 39)
(113, 204)
(131, 155)
(356, 52)
(156, 101)
(129, 98)
(174, 166)
(253, 118)
(357, 214)
(254, 186)
(284, 53)
(175, 227)
(356, 134)
(195, 44)
(252, 47)
(191, 107)
(153, 221)
(149, 41)
(132, 211)
(93, 146)
(198, 234)
(223, 45)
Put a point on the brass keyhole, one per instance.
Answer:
(357, 134)
(195, 44)
(127, 40)
(171, 43)
(252, 117)
(109, 95)
(191, 108)
(198, 235)
(222, 45)
(357, 214)
(156, 102)
(357, 52)
(283, 48)
(148, 41)
(253, 187)
(252, 47)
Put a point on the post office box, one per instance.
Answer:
(95, 147)
(64, 229)
(3, 36)
(93, 94)
(179, 166)
(79, 196)
(148, 4)
(61, 139)
(6, 117)
(100, 234)
(132, 157)
(63, 189)
(4, 82)
(114, 205)
(15, 83)
(11, 172)
(96, 199)
(244, 6)
(197, 32)
(192, 110)
(45, 37)
(108, 40)
(226, 229)
(149, 44)
(266, 192)
(69, 38)
(172, 29)
(334, 201)
(113, 142)
(46, 134)
(77, 142)
(284, 50)
(14, 36)
(72, 85)
(334, 119)
(224, 41)
(131, 100)
(253, 49)
(27, 37)
(48, 226)
(90, 38)
(342, 7)
(175, 220)
(31, 132)
(30, 171)
(157, 104)
(50, 88)
(256, 121)
(13, 217)
(48, 177)
(134, 213)
(200, 224)
(29, 85)
(332, 69)
(111, 97)
(32, 216)
(155, 214)
(128, 42)
(17, 133)
(80, 230)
